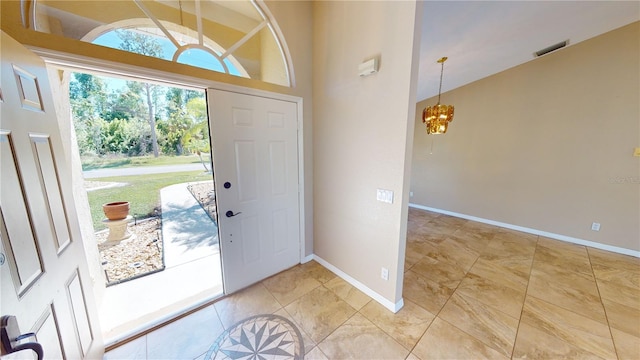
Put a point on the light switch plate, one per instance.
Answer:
(385, 196)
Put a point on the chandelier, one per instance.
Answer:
(438, 117)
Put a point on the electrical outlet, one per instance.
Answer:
(410, 193)
(384, 274)
(595, 226)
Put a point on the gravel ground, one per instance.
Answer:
(137, 256)
(206, 196)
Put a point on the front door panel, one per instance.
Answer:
(255, 151)
(45, 279)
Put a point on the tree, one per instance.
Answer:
(143, 44)
(88, 96)
(196, 138)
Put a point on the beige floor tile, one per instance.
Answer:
(516, 263)
(445, 341)
(560, 274)
(441, 272)
(577, 330)
(187, 337)
(319, 312)
(315, 354)
(619, 293)
(439, 226)
(411, 257)
(317, 271)
(494, 328)
(412, 356)
(508, 244)
(483, 230)
(306, 339)
(354, 297)
(359, 338)
(421, 248)
(291, 284)
(406, 326)
(251, 301)
(509, 277)
(618, 268)
(563, 257)
(456, 253)
(522, 238)
(422, 215)
(450, 221)
(533, 343)
(423, 234)
(472, 240)
(581, 296)
(566, 248)
(424, 292)
(500, 297)
(428, 233)
(627, 346)
(622, 317)
(563, 248)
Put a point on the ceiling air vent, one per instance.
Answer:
(551, 48)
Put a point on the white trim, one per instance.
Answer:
(306, 259)
(394, 307)
(565, 238)
(301, 185)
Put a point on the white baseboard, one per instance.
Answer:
(394, 307)
(570, 239)
(306, 259)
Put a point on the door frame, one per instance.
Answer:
(71, 62)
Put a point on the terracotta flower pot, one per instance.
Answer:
(116, 210)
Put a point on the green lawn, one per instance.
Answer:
(142, 192)
(91, 163)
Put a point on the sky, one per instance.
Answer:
(194, 57)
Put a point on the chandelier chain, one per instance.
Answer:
(440, 88)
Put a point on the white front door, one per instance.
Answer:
(44, 276)
(255, 150)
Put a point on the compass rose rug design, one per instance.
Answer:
(259, 337)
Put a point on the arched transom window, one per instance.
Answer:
(234, 37)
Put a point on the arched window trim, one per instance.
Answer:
(28, 9)
(284, 49)
(209, 46)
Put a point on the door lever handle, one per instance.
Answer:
(231, 214)
(10, 336)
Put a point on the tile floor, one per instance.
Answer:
(471, 291)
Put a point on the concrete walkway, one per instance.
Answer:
(188, 232)
(192, 274)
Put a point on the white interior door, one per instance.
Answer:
(44, 280)
(255, 151)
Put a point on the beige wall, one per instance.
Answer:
(547, 145)
(294, 20)
(362, 126)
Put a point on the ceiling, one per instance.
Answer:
(482, 38)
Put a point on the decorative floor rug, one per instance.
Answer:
(259, 337)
